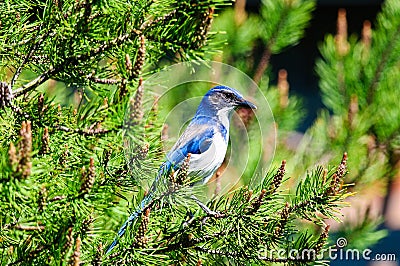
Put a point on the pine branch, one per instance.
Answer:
(259, 222)
(29, 55)
(382, 64)
(278, 29)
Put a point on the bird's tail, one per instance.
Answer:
(143, 204)
(130, 220)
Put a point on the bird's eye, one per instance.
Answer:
(230, 95)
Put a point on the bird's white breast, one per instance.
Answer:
(205, 164)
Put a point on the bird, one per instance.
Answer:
(205, 139)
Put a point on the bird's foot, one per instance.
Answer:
(210, 213)
(188, 222)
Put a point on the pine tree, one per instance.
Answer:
(358, 77)
(70, 71)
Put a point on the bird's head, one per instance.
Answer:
(223, 100)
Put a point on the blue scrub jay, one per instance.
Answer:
(205, 138)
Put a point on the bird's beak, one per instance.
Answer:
(248, 104)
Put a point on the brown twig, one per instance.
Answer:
(32, 50)
(102, 80)
(277, 179)
(262, 65)
(30, 227)
(89, 131)
(383, 61)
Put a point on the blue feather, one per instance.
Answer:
(164, 169)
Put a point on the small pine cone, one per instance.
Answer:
(27, 170)
(26, 139)
(42, 199)
(92, 172)
(283, 221)
(342, 166)
(5, 95)
(337, 177)
(40, 104)
(140, 239)
(283, 87)
(128, 63)
(257, 204)
(141, 152)
(324, 176)
(342, 44)
(204, 26)
(183, 170)
(12, 155)
(122, 88)
(76, 256)
(285, 212)
(366, 35)
(322, 240)
(140, 57)
(334, 188)
(136, 112)
(278, 231)
(88, 178)
(277, 180)
(68, 244)
(172, 185)
(25, 150)
(153, 113)
(64, 156)
(86, 224)
(45, 141)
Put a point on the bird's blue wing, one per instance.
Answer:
(196, 139)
